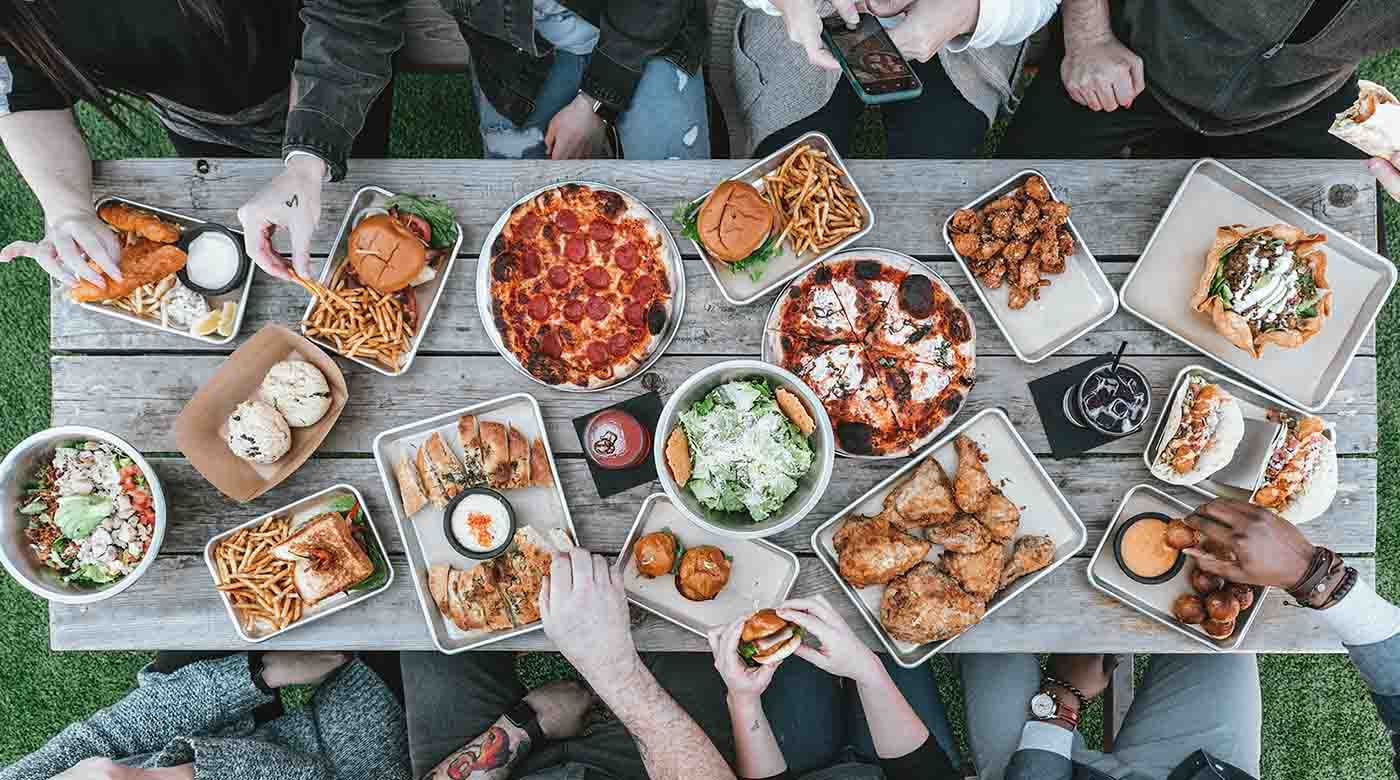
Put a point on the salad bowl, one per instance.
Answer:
(810, 486)
(19, 470)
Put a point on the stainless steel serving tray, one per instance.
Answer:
(762, 573)
(1078, 300)
(428, 295)
(1011, 464)
(738, 288)
(239, 295)
(1160, 287)
(327, 607)
(425, 541)
(1245, 468)
(1155, 601)
(674, 265)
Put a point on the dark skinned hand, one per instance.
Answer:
(1268, 549)
(1086, 672)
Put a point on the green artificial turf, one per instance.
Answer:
(1319, 722)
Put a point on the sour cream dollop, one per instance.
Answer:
(480, 522)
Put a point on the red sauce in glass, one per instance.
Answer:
(615, 439)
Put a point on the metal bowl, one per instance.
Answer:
(16, 470)
(809, 488)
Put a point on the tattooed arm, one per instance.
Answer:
(488, 757)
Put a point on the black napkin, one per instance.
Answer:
(1066, 438)
(647, 409)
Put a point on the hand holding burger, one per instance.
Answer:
(745, 681)
(842, 653)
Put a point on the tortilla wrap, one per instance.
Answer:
(1220, 447)
(1234, 326)
(1379, 134)
(1316, 493)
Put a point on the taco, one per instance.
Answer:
(1204, 427)
(1300, 477)
(1372, 124)
(1265, 286)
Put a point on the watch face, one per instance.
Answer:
(1043, 705)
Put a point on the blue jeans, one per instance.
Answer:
(666, 120)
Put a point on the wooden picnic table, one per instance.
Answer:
(133, 381)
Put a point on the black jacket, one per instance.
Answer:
(512, 61)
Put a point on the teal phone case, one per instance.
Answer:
(866, 97)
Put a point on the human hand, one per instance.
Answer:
(70, 240)
(743, 681)
(1268, 549)
(576, 133)
(1387, 172)
(804, 27)
(283, 668)
(560, 707)
(929, 26)
(842, 653)
(1084, 671)
(1101, 74)
(292, 200)
(584, 609)
(882, 7)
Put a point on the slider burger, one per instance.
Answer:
(735, 225)
(768, 639)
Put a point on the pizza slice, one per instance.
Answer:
(521, 571)
(812, 309)
(861, 413)
(833, 370)
(865, 288)
(922, 395)
(932, 329)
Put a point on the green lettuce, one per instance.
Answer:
(79, 516)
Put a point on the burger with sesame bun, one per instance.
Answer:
(768, 639)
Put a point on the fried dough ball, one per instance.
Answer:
(1204, 582)
(1000, 224)
(991, 247)
(655, 554)
(1036, 189)
(967, 244)
(703, 574)
(1003, 203)
(966, 221)
(1180, 535)
(1244, 594)
(1188, 609)
(1216, 629)
(1221, 606)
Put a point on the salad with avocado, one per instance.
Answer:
(1261, 278)
(746, 454)
(90, 515)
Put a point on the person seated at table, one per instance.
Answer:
(1201, 78)
(577, 79)
(965, 52)
(218, 717)
(1196, 717)
(216, 76)
(470, 719)
(837, 710)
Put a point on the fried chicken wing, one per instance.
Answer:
(925, 498)
(1030, 215)
(1066, 242)
(1028, 273)
(978, 573)
(967, 244)
(964, 534)
(1000, 516)
(992, 273)
(991, 247)
(142, 223)
(1030, 554)
(926, 605)
(1018, 297)
(871, 551)
(1053, 214)
(1046, 252)
(1000, 223)
(1016, 251)
(966, 221)
(971, 485)
(1036, 189)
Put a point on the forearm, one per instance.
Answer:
(756, 749)
(490, 756)
(671, 744)
(895, 728)
(51, 155)
(1085, 22)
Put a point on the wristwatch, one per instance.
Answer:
(1051, 705)
(523, 717)
(600, 109)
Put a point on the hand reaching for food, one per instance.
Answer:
(1387, 172)
(742, 680)
(841, 652)
(292, 200)
(804, 27)
(1268, 549)
(584, 609)
(1101, 74)
(69, 242)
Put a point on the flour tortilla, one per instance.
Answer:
(1379, 135)
(1318, 491)
(1220, 447)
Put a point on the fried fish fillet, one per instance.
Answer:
(971, 485)
(143, 223)
(142, 262)
(1030, 554)
(964, 535)
(978, 573)
(925, 498)
(1001, 516)
(926, 605)
(871, 551)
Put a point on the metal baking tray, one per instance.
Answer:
(739, 288)
(771, 333)
(1011, 464)
(1078, 299)
(428, 295)
(762, 573)
(327, 607)
(238, 295)
(674, 265)
(425, 541)
(1239, 477)
(1155, 601)
(1161, 284)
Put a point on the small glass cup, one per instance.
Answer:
(1111, 402)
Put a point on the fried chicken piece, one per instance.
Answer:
(1036, 189)
(925, 498)
(1030, 554)
(1018, 297)
(1053, 214)
(1031, 213)
(966, 221)
(1046, 251)
(971, 485)
(1002, 204)
(926, 605)
(1000, 223)
(1028, 273)
(964, 535)
(1066, 241)
(871, 551)
(992, 273)
(1000, 516)
(1023, 231)
(978, 573)
(142, 223)
(141, 262)
(1016, 251)
(967, 244)
(991, 247)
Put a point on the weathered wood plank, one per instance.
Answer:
(175, 607)
(1093, 486)
(1117, 203)
(140, 395)
(709, 326)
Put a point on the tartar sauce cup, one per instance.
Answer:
(241, 269)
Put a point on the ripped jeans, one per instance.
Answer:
(666, 120)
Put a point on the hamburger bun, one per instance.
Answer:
(735, 221)
(385, 254)
(768, 638)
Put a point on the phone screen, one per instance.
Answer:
(871, 57)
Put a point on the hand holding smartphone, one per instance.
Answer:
(871, 61)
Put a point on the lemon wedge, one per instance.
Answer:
(206, 324)
(227, 317)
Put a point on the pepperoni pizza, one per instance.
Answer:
(886, 347)
(580, 285)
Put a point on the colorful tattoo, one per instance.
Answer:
(480, 759)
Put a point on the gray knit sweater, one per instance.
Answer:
(352, 729)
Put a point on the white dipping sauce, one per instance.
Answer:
(480, 522)
(213, 261)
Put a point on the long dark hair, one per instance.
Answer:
(25, 27)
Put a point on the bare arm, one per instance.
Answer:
(488, 757)
(757, 753)
(671, 743)
(895, 728)
(1098, 71)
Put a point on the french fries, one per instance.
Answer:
(259, 586)
(360, 321)
(818, 209)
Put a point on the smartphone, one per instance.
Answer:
(873, 64)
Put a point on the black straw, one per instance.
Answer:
(1113, 369)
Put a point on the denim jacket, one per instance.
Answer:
(512, 61)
